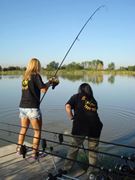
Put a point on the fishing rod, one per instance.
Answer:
(74, 146)
(74, 43)
(69, 135)
(77, 38)
(100, 168)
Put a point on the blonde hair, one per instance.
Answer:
(33, 67)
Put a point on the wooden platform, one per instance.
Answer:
(13, 167)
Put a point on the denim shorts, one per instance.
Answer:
(30, 113)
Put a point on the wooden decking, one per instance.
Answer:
(13, 167)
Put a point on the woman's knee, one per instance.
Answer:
(93, 144)
(37, 133)
(23, 131)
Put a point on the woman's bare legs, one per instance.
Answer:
(36, 125)
(24, 126)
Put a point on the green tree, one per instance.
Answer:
(111, 66)
(100, 65)
(93, 65)
(131, 68)
(13, 68)
(74, 66)
(0, 68)
(52, 65)
(123, 68)
(86, 64)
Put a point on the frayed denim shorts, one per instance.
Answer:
(30, 113)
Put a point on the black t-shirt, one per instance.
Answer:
(86, 120)
(31, 92)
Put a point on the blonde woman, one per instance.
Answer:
(32, 86)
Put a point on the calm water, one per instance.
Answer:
(115, 96)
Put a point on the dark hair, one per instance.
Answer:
(85, 89)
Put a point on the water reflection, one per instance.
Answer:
(10, 76)
(95, 78)
(72, 77)
(111, 79)
(115, 103)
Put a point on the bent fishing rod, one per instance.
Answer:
(74, 43)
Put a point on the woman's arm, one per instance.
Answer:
(52, 82)
(44, 90)
(69, 111)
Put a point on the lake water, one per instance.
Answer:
(115, 96)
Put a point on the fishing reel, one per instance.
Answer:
(43, 144)
(59, 175)
(61, 139)
(104, 174)
(123, 168)
(23, 150)
(132, 163)
(54, 81)
(132, 157)
(102, 177)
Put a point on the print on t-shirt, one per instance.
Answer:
(88, 105)
(25, 84)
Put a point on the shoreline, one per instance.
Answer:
(74, 72)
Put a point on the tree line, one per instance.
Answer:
(96, 65)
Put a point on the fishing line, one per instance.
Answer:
(74, 43)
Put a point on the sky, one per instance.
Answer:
(45, 29)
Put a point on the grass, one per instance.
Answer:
(79, 73)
